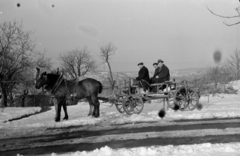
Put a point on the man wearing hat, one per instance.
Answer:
(143, 77)
(163, 73)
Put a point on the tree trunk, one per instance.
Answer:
(11, 99)
(4, 97)
(111, 76)
(10, 95)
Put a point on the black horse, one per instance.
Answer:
(63, 91)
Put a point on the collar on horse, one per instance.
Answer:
(59, 81)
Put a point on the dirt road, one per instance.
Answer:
(61, 140)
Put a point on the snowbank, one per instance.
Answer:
(230, 149)
(10, 113)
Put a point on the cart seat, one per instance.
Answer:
(163, 87)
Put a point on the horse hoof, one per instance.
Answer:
(96, 115)
(65, 118)
(57, 120)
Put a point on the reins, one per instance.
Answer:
(149, 85)
(59, 81)
(72, 95)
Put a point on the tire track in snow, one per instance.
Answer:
(76, 138)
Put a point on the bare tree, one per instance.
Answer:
(42, 61)
(106, 51)
(233, 64)
(228, 17)
(27, 77)
(16, 51)
(77, 62)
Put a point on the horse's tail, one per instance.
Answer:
(100, 88)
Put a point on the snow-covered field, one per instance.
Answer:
(218, 106)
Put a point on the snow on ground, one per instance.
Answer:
(11, 113)
(207, 149)
(218, 106)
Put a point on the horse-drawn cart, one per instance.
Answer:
(129, 98)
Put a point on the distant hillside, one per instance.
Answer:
(187, 74)
(179, 75)
(190, 70)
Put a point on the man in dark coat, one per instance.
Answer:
(143, 77)
(163, 73)
(155, 65)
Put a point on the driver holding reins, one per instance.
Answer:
(143, 77)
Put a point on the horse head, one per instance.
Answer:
(42, 80)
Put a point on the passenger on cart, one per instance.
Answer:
(143, 79)
(161, 75)
(155, 65)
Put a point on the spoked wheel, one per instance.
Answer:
(119, 105)
(192, 100)
(171, 100)
(133, 104)
(180, 98)
(118, 102)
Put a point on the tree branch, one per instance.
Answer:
(221, 15)
(231, 24)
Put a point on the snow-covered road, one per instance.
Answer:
(78, 138)
(218, 106)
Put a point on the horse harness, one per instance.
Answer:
(59, 81)
(57, 84)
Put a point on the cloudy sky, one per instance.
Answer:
(183, 33)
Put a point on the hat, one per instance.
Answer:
(154, 64)
(140, 63)
(160, 60)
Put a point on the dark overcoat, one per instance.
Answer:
(143, 77)
(163, 74)
(156, 71)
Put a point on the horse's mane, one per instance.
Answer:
(53, 76)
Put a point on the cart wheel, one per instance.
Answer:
(133, 104)
(171, 100)
(193, 100)
(119, 106)
(118, 102)
(180, 99)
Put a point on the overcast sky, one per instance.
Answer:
(183, 33)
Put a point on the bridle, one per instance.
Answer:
(57, 84)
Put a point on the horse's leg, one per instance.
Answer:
(57, 109)
(90, 105)
(96, 106)
(64, 104)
